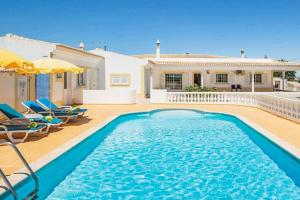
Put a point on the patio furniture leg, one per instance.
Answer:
(45, 130)
(15, 140)
(67, 120)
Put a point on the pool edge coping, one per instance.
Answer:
(16, 178)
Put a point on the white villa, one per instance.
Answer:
(174, 72)
(114, 78)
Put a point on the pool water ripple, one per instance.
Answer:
(177, 154)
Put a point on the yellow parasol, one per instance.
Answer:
(10, 60)
(53, 66)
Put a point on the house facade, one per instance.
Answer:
(122, 72)
(60, 88)
(122, 80)
(176, 72)
(114, 78)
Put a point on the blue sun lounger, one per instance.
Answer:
(36, 108)
(48, 105)
(11, 113)
(14, 127)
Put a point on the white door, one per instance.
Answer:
(67, 88)
(22, 92)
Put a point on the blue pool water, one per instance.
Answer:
(172, 154)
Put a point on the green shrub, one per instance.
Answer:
(198, 88)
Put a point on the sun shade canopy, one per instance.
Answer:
(10, 60)
(53, 66)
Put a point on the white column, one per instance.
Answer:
(202, 79)
(283, 77)
(252, 81)
(151, 82)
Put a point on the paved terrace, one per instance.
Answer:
(37, 147)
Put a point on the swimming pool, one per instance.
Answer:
(172, 154)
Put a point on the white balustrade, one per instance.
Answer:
(210, 97)
(285, 107)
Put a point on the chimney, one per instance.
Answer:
(81, 46)
(157, 49)
(242, 53)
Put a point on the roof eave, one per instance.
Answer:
(79, 51)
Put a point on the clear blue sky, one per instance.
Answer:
(220, 27)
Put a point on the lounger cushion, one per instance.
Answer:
(10, 112)
(43, 120)
(46, 102)
(34, 106)
(80, 110)
(13, 114)
(74, 110)
(23, 127)
(59, 114)
(39, 109)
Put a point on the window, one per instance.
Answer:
(197, 79)
(222, 78)
(257, 78)
(80, 79)
(59, 76)
(173, 81)
(120, 80)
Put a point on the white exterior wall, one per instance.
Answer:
(292, 86)
(7, 89)
(122, 64)
(57, 89)
(29, 49)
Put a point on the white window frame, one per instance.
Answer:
(173, 81)
(221, 78)
(255, 78)
(120, 80)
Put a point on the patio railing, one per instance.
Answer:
(285, 107)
